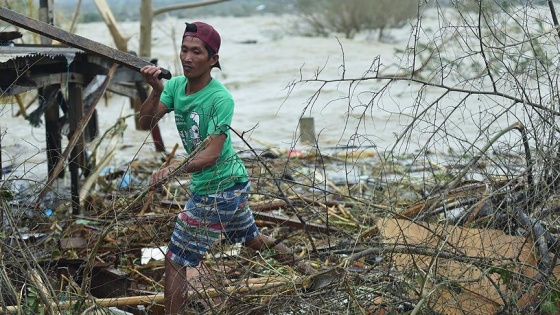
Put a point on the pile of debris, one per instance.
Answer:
(386, 237)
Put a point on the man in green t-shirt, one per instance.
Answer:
(219, 206)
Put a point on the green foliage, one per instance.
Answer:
(548, 307)
(32, 302)
(90, 16)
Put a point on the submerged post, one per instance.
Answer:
(307, 130)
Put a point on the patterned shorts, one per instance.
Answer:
(206, 218)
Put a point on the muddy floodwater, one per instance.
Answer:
(276, 77)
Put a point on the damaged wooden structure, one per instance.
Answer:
(79, 70)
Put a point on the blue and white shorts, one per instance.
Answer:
(207, 217)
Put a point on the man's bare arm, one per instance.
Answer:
(152, 109)
(208, 156)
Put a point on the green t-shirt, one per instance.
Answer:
(206, 112)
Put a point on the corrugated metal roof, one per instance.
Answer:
(22, 51)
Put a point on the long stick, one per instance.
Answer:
(151, 196)
(159, 298)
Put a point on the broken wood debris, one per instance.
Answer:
(436, 264)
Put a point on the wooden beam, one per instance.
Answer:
(123, 89)
(56, 78)
(240, 288)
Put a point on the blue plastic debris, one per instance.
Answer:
(125, 180)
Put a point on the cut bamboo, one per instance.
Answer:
(159, 298)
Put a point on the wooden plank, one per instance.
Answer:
(76, 41)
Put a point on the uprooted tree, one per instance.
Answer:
(457, 214)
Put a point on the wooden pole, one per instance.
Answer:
(46, 15)
(52, 127)
(77, 160)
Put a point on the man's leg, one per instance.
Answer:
(175, 287)
(179, 280)
(284, 255)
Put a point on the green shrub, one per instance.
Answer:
(323, 17)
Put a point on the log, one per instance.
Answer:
(109, 19)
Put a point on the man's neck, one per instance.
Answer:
(196, 84)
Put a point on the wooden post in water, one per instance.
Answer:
(77, 157)
(48, 94)
(307, 130)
